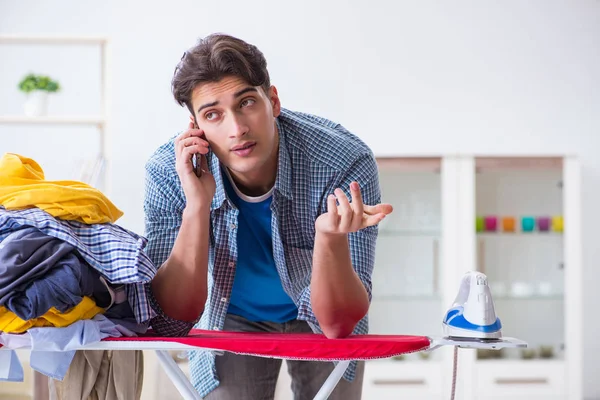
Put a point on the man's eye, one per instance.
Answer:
(248, 102)
(210, 115)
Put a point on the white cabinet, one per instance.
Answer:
(415, 379)
(518, 379)
(515, 218)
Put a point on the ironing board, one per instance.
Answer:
(302, 346)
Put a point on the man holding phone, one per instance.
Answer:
(273, 230)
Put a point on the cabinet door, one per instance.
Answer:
(519, 222)
(415, 249)
(520, 247)
(406, 296)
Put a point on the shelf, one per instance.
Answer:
(410, 164)
(555, 297)
(31, 39)
(408, 232)
(409, 360)
(519, 234)
(508, 163)
(516, 361)
(416, 297)
(436, 297)
(54, 120)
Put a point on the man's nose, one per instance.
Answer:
(239, 127)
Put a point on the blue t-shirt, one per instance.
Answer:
(257, 293)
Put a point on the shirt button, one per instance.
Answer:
(216, 328)
(232, 226)
(231, 264)
(224, 299)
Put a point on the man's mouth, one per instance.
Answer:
(243, 146)
(244, 150)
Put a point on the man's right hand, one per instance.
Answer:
(199, 191)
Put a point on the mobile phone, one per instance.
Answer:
(197, 162)
(197, 158)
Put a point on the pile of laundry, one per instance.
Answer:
(69, 275)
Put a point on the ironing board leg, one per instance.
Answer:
(332, 380)
(177, 376)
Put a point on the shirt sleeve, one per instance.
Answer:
(164, 203)
(362, 243)
(163, 208)
(162, 324)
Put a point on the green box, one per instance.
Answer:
(479, 224)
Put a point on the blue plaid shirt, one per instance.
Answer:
(116, 253)
(316, 156)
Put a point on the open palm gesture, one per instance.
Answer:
(349, 216)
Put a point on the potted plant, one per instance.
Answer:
(37, 88)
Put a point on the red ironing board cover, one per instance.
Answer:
(296, 345)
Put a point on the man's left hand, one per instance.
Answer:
(349, 217)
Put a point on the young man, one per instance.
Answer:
(274, 231)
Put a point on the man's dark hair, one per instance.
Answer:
(213, 58)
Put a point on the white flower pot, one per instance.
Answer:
(36, 104)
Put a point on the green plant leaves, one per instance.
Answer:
(33, 82)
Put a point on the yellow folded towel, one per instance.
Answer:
(22, 185)
(86, 309)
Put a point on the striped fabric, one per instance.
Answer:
(113, 251)
(316, 156)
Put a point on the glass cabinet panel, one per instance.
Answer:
(519, 230)
(407, 263)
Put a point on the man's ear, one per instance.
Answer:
(275, 102)
(193, 121)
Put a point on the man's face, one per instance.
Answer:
(238, 121)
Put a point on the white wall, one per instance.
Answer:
(408, 77)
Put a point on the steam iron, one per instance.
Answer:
(472, 315)
(472, 322)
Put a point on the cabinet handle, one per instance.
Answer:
(388, 382)
(521, 381)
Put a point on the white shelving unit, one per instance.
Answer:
(432, 240)
(100, 121)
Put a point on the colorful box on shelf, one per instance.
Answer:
(528, 224)
(491, 223)
(508, 224)
(543, 224)
(557, 223)
(479, 225)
